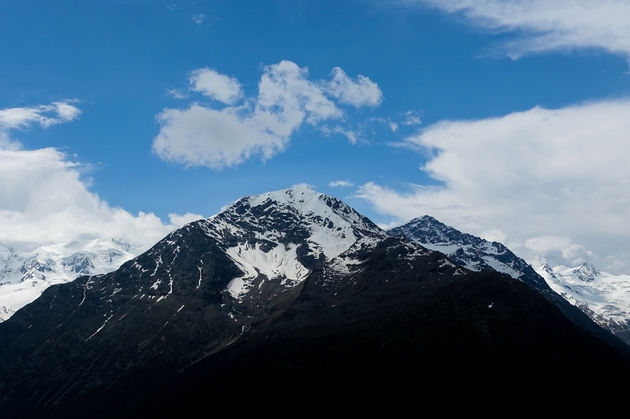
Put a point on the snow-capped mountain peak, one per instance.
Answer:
(469, 251)
(587, 272)
(281, 234)
(603, 296)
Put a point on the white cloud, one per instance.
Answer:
(182, 219)
(43, 200)
(286, 98)
(177, 93)
(340, 184)
(543, 25)
(43, 115)
(216, 86)
(493, 235)
(7, 143)
(536, 173)
(359, 92)
(551, 245)
(353, 136)
(261, 126)
(202, 136)
(387, 226)
(412, 119)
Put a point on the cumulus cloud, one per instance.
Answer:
(359, 92)
(44, 200)
(216, 86)
(532, 174)
(340, 184)
(542, 25)
(181, 219)
(202, 136)
(43, 115)
(567, 249)
(261, 126)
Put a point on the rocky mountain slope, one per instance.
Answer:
(282, 291)
(601, 297)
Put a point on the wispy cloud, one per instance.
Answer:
(42, 115)
(543, 25)
(340, 184)
(177, 93)
(199, 18)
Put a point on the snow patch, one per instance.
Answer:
(279, 262)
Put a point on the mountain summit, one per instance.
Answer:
(469, 251)
(291, 286)
(279, 236)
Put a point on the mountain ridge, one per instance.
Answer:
(106, 344)
(478, 254)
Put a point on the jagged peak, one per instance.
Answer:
(588, 270)
(545, 267)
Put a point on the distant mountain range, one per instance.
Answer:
(604, 297)
(26, 273)
(291, 290)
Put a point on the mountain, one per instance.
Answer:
(290, 292)
(607, 308)
(603, 296)
(469, 251)
(26, 273)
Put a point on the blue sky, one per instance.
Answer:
(116, 61)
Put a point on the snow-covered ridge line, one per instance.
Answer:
(605, 297)
(24, 275)
(471, 252)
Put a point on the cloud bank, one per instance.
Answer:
(260, 126)
(45, 200)
(552, 183)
